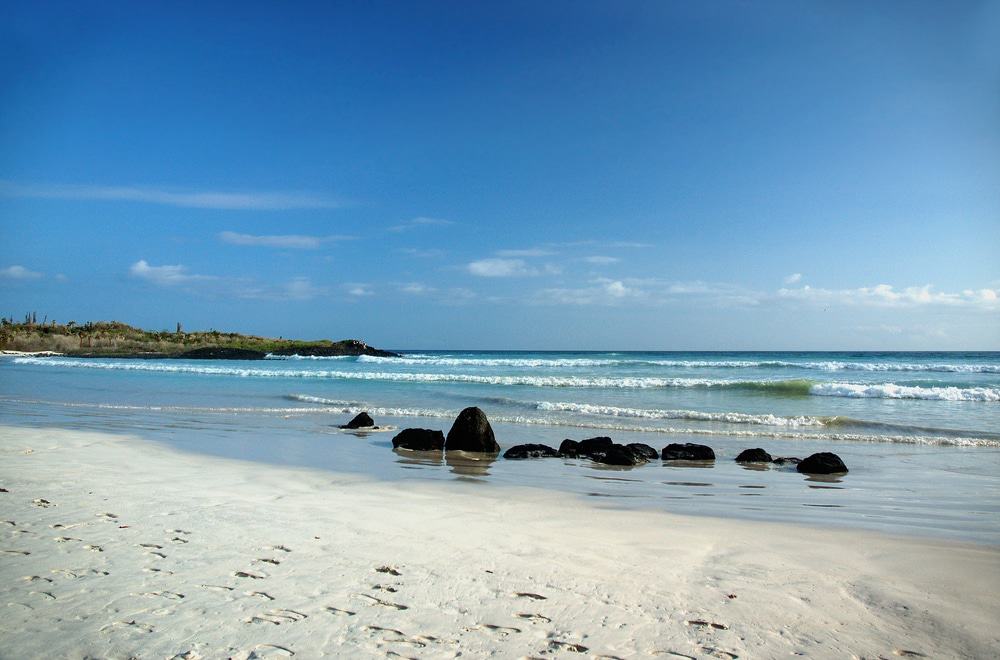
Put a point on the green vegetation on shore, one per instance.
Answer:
(116, 339)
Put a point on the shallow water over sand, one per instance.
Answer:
(924, 466)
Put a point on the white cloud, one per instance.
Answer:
(359, 290)
(19, 273)
(204, 199)
(601, 260)
(793, 278)
(530, 252)
(421, 221)
(165, 275)
(602, 292)
(302, 288)
(886, 295)
(416, 288)
(500, 268)
(290, 241)
(422, 253)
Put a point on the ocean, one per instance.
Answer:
(920, 432)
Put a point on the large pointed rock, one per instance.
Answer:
(471, 432)
(361, 421)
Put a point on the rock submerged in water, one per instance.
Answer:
(687, 452)
(781, 460)
(569, 448)
(472, 432)
(361, 421)
(645, 451)
(822, 463)
(618, 455)
(419, 440)
(756, 455)
(531, 451)
(594, 447)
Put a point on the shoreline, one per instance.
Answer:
(617, 582)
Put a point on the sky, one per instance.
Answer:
(516, 175)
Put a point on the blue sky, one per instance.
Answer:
(662, 175)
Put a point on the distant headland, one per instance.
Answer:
(108, 339)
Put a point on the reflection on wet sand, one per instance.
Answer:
(689, 464)
(468, 464)
(408, 458)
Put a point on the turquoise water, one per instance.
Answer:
(919, 431)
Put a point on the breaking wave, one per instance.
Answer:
(795, 387)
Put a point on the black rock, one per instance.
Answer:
(781, 460)
(822, 463)
(361, 421)
(644, 451)
(594, 447)
(530, 451)
(419, 440)
(756, 455)
(687, 452)
(619, 455)
(472, 432)
(569, 448)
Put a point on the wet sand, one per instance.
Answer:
(113, 546)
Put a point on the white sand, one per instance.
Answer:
(147, 552)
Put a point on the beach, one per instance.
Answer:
(115, 546)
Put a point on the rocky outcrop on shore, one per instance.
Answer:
(419, 440)
(346, 347)
(361, 421)
(471, 432)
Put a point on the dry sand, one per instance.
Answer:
(116, 547)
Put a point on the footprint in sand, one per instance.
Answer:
(265, 560)
(259, 594)
(36, 578)
(187, 655)
(80, 572)
(144, 627)
(93, 548)
(380, 587)
(178, 539)
(383, 603)
(338, 611)
(44, 594)
(42, 503)
(16, 552)
(10, 522)
(158, 570)
(277, 548)
(535, 618)
(262, 651)
(908, 654)
(277, 617)
(150, 546)
(171, 595)
(503, 631)
(158, 555)
(701, 623)
(556, 645)
(719, 653)
(252, 576)
(216, 587)
(399, 637)
(388, 569)
(107, 516)
(177, 531)
(65, 539)
(525, 594)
